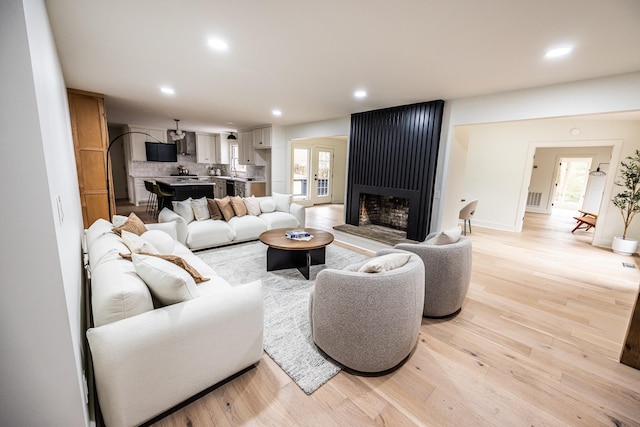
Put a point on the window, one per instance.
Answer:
(234, 155)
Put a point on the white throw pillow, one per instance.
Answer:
(385, 263)
(283, 201)
(200, 209)
(168, 227)
(160, 240)
(253, 205)
(118, 220)
(137, 244)
(267, 205)
(446, 237)
(168, 283)
(184, 209)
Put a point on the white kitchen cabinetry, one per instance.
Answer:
(206, 148)
(247, 155)
(262, 138)
(212, 148)
(136, 142)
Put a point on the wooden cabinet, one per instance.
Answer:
(239, 188)
(90, 143)
(220, 189)
(136, 141)
(247, 155)
(257, 189)
(262, 138)
(212, 148)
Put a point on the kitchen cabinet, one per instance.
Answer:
(136, 141)
(262, 138)
(206, 148)
(240, 188)
(212, 148)
(90, 144)
(220, 189)
(247, 155)
(257, 189)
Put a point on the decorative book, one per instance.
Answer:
(298, 235)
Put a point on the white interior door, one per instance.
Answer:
(571, 182)
(322, 175)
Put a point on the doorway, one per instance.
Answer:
(571, 182)
(315, 174)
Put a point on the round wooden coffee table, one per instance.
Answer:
(288, 253)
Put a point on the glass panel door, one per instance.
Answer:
(301, 172)
(322, 174)
(571, 182)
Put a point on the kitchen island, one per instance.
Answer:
(184, 187)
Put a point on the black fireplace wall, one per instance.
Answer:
(393, 152)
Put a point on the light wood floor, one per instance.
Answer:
(537, 343)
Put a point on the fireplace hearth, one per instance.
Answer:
(386, 211)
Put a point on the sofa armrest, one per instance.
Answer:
(167, 215)
(298, 211)
(146, 364)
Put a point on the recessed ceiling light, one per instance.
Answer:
(276, 112)
(218, 44)
(167, 90)
(360, 93)
(558, 52)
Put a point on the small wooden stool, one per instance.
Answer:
(586, 221)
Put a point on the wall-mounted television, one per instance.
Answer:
(159, 152)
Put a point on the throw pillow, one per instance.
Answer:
(200, 209)
(267, 205)
(253, 205)
(174, 259)
(168, 227)
(214, 210)
(385, 263)
(137, 243)
(225, 207)
(445, 237)
(283, 201)
(238, 206)
(133, 224)
(168, 283)
(184, 209)
(160, 240)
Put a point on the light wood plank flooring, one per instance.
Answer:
(536, 343)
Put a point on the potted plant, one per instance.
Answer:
(628, 201)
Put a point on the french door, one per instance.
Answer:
(312, 174)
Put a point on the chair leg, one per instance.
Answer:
(469, 227)
(464, 231)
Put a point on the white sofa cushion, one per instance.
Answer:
(117, 292)
(184, 209)
(161, 241)
(247, 227)
(97, 229)
(168, 283)
(283, 201)
(137, 243)
(279, 220)
(267, 204)
(206, 234)
(200, 209)
(106, 247)
(168, 227)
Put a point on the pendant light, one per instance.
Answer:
(177, 134)
(598, 172)
(232, 136)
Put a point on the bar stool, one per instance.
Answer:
(152, 200)
(162, 197)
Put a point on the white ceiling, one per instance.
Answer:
(307, 58)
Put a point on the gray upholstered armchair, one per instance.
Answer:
(447, 274)
(368, 322)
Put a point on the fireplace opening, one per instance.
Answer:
(386, 211)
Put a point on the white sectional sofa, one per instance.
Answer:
(276, 211)
(149, 354)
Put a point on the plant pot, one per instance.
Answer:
(624, 246)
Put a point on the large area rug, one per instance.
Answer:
(287, 333)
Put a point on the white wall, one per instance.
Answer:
(611, 94)
(40, 278)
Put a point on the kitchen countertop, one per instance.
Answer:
(199, 180)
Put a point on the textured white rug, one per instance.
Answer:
(287, 333)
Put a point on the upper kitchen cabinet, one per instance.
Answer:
(136, 141)
(262, 138)
(212, 148)
(247, 155)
